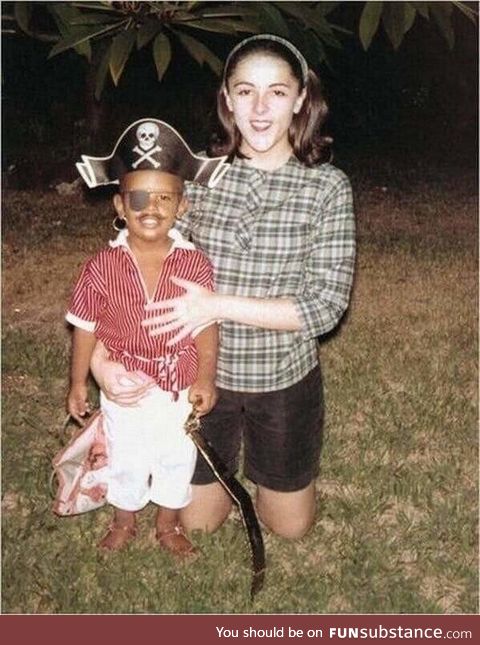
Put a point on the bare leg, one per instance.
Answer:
(208, 510)
(289, 515)
(121, 531)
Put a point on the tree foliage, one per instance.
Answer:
(106, 33)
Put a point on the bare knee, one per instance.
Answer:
(292, 528)
(208, 510)
(289, 515)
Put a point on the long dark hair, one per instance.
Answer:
(304, 134)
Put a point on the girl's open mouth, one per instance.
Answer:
(260, 126)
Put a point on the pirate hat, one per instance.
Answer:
(150, 144)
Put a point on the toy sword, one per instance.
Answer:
(238, 494)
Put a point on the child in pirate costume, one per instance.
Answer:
(150, 458)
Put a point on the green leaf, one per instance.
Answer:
(121, 48)
(422, 8)
(442, 13)
(300, 12)
(102, 73)
(65, 15)
(220, 26)
(369, 22)
(69, 42)
(226, 11)
(90, 18)
(410, 15)
(272, 20)
(23, 13)
(200, 52)
(318, 55)
(84, 49)
(76, 38)
(327, 7)
(324, 29)
(147, 31)
(313, 19)
(396, 21)
(162, 54)
(96, 6)
(466, 10)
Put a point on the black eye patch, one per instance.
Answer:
(140, 199)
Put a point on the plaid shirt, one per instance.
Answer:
(287, 233)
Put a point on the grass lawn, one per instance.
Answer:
(397, 495)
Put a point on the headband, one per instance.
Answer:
(150, 144)
(276, 39)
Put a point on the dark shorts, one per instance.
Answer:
(282, 434)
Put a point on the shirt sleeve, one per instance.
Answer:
(87, 299)
(204, 276)
(330, 263)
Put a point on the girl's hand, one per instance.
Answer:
(120, 386)
(125, 388)
(196, 308)
(77, 403)
(203, 395)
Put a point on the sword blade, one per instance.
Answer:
(243, 501)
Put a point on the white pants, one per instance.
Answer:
(151, 458)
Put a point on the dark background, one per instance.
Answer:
(416, 104)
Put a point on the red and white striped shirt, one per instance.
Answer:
(109, 300)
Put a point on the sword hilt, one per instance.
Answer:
(192, 424)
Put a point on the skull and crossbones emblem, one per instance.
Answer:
(147, 135)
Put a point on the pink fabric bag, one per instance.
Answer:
(81, 470)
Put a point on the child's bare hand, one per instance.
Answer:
(77, 403)
(203, 395)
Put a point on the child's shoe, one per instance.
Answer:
(174, 540)
(117, 537)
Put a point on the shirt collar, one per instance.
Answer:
(179, 242)
(292, 161)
